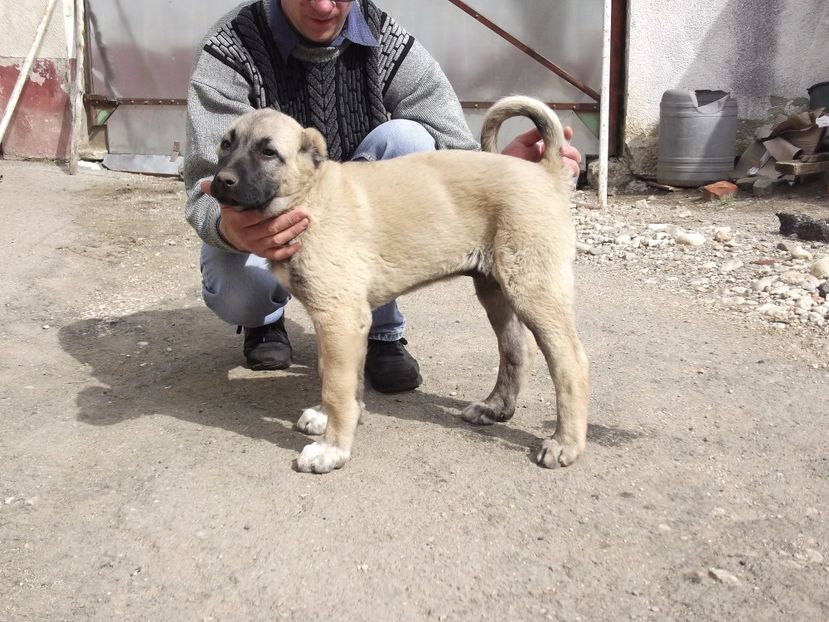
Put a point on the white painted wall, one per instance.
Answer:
(41, 115)
(766, 53)
(19, 22)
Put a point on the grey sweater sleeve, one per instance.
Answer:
(217, 95)
(421, 92)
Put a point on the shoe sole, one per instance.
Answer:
(268, 366)
(402, 388)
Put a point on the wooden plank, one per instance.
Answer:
(815, 157)
(796, 167)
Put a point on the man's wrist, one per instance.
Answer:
(222, 236)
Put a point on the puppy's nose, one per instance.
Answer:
(226, 180)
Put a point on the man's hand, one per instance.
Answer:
(269, 237)
(529, 146)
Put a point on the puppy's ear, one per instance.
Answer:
(313, 145)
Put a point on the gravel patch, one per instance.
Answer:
(731, 258)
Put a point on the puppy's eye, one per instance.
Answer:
(269, 153)
(224, 145)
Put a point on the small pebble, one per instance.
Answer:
(723, 576)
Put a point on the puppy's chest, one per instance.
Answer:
(292, 275)
(285, 274)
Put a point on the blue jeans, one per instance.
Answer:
(242, 290)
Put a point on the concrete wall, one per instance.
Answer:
(765, 52)
(41, 125)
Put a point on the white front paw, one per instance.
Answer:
(321, 458)
(312, 422)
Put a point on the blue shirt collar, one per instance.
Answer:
(356, 30)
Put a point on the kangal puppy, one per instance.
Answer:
(502, 220)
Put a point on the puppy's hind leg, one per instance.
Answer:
(342, 342)
(547, 310)
(516, 348)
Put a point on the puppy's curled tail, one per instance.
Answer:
(552, 133)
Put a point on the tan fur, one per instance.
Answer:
(378, 230)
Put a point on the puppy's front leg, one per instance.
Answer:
(342, 343)
(313, 420)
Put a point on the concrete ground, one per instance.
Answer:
(146, 475)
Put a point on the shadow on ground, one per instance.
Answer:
(184, 363)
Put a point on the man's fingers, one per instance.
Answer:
(289, 224)
(529, 137)
(204, 185)
(571, 153)
(283, 252)
(277, 234)
(245, 218)
(288, 219)
(533, 135)
(573, 167)
(571, 156)
(283, 236)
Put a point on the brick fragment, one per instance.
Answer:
(719, 190)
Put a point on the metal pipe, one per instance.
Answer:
(24, 70)
(483, 105)
(584, 88)
(604, 110)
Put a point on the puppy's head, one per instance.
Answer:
(263, 156)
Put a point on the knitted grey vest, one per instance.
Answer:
(341, 97)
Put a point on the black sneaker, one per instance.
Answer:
(390, 368)
(267, 347)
